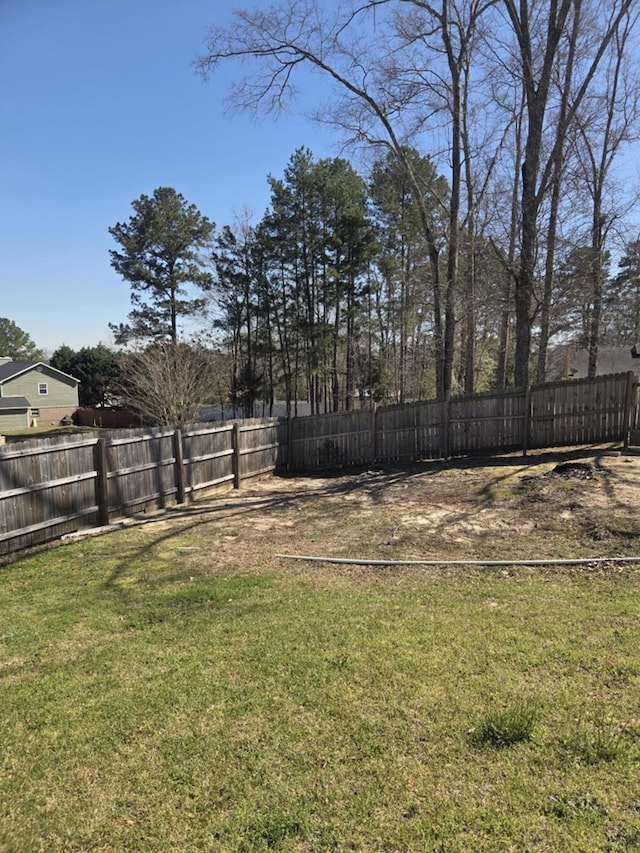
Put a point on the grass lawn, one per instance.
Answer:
(179, 689)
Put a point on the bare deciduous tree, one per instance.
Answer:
(608, 120)
(567, 43)
(406, 75)
(167, 383)
(373, 103)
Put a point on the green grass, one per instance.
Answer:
(159, 695)
(505, 726)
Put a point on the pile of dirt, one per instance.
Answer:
(573, 471)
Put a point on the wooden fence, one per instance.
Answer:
(557, 414)
(57, 486)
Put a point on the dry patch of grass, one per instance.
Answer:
(175, 686)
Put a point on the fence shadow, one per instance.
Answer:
(188, 518)
(374, 481)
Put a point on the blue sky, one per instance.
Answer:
(101, 103)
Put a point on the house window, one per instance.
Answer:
(43, 388)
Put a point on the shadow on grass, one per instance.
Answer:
(526, 463)
(373, 481)
(195, 516)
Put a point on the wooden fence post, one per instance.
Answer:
(102, 491)
(374, 433)
(526, 423)
(236, 455)
(446, 419)
(178, 454)
(628, 406)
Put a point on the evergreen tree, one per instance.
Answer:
(16, 343)
(162, 255)
(238, 313)
(622, 300)
(95, 367)
(317, 242)
(405, 299)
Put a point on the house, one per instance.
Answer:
(572, 362)
(33, 393)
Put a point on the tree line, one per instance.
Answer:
(477, 232)
(521, 106)
(329, 298)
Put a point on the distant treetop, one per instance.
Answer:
(16, 343)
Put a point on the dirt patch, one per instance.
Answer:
(573, 504)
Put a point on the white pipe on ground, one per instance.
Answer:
(551, 562)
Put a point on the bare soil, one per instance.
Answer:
(562, 505)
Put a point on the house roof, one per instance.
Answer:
(11, 369)
(610, 360)
(14, 403)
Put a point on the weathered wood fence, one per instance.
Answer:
(557, 414)
(61, 485)
(57, 486)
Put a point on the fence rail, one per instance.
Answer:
(57, 486)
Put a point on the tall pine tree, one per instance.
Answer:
(161, 255)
